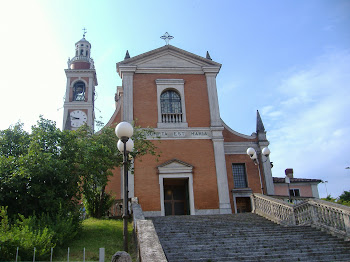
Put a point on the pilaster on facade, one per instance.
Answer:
(210, 74)
(221, 176)
(127, 73)
(266, 166)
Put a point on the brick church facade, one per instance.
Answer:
(203, 166)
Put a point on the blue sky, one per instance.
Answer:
(288, 59)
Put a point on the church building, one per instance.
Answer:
(203, 166)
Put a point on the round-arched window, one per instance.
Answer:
(79, 91)
(170, 102)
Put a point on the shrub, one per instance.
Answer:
(21, 234)
(65, 225)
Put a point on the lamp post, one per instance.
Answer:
(253, 155)
(124, 131)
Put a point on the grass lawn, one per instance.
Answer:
(96, 233)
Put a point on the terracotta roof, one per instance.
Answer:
(296, 180)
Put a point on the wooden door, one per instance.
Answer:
(176, 197)
(243, 204)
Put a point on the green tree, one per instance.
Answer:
(344, 198)
(37, 170)
(48, 170)
(97, 155)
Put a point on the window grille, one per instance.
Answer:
(239, 176)
(170, 102)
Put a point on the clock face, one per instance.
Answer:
(77, 118)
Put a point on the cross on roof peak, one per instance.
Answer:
(84, 32)
(166, 37)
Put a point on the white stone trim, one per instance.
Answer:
(152, 213)
(207, 211)
(128, 100)
(180, 133)
(232, 148)
(314, 190)
(190, 189)
(179, 86)
(245, 192)
(252, 136)
(221, 177)
(215, 119)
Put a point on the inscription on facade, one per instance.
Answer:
(180, 134)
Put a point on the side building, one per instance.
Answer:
(203, 167)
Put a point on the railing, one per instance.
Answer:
(171, 118)
(273, 209)
(332, 217)
(294, 199)
(81, 58)
(147, 242)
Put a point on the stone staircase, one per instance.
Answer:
(244, 237)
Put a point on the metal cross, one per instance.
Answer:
(84, 31)
(166, 37)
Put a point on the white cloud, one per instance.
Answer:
(309, 125)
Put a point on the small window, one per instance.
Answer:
(170, 102)
(81, 52)
(87, 52)
(239, 176)
(79, 91)
(294, 192)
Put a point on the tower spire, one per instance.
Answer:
(259, 124)
(208, 56)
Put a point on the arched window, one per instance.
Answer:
(81, 52)
(170, 102)
(79, 91)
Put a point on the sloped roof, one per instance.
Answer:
(296, 180)
(167, 58)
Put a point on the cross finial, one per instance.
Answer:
(166, 37)
(84, 32)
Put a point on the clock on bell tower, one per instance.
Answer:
(80, 88)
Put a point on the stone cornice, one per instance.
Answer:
(192, 64)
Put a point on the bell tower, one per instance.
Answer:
(80, 88)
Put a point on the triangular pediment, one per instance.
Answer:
(167, 58)
(175, 166)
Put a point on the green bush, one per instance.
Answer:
(65, 225)
(21, 234)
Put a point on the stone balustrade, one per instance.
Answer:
(332, 217)
(171, 117)
(147, 242)
(273, 209)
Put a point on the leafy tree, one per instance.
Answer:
(343, 199)
(345, 196)
(49, 169)
(37, 170)
(97, 155)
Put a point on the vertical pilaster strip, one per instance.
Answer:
(210, 74)
(67, 89)
(128, 113)
(221, 175)
(128, 89)
(266, 166)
